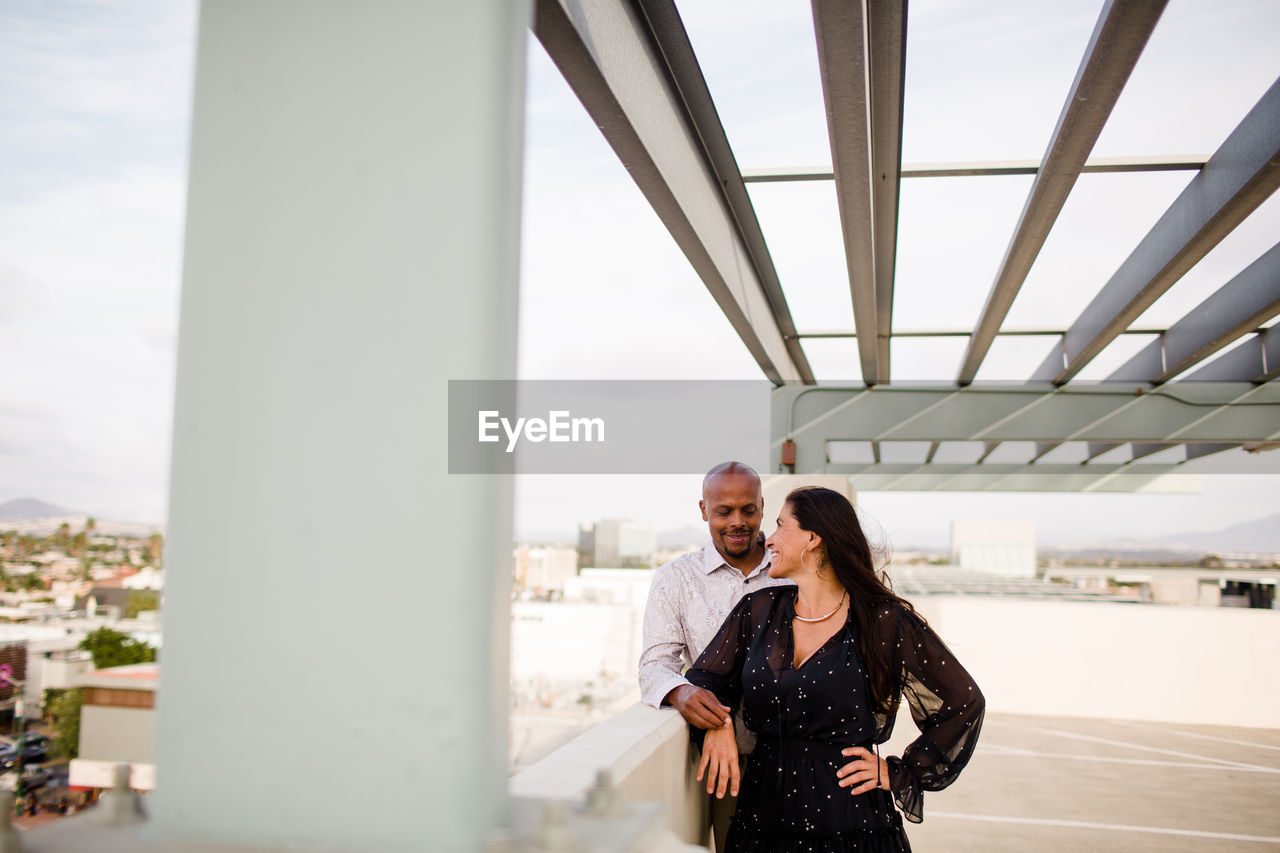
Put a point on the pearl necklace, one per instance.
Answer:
(839, 604)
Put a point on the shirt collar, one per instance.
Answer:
(713, 559)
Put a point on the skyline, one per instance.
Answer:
(94, 122)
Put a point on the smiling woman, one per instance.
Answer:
(820, 686)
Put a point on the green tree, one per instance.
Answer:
(30, 582)
(140, 600)
(153, 551)
(114, 648)
(63, 709)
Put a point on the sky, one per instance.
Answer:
(94, 121)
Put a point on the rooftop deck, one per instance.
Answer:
(1066, 783)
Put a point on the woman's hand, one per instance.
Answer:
(866, 773)
(720, 761)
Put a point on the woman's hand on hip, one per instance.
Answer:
(866, 772)
(719, 761)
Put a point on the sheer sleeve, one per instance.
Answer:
(719, 669)
(945, 703)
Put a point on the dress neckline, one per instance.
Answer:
(789, 615)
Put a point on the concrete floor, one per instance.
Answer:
(1058, 784)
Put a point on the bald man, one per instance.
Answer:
(692, 595)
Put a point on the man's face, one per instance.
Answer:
(733, 507)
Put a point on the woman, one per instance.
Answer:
(819, 669)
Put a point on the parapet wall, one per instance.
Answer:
(1201, 665)
(647, 754)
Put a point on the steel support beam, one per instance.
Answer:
(1238, 307)
(887, 28)
(999, 477)
(1237, 178)
(633, 70)
(1118, 40)
(1178, 412)
(1257, 360)
(841, 31)
(964, 333)
(989, 168)
(1097, 448)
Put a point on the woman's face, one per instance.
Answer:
(786, 546)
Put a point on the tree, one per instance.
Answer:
(63, 708)
(153, 551)
(29, 582)
(114, 648)
(140, 600)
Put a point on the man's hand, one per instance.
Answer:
(720, 761)
(698, 706)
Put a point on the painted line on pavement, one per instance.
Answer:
(1127, 745)
(1112, 827)
(998, 749)
(1199, 736)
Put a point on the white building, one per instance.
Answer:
(117, 726)
(618, 543)
(146, 578)
(544, 569)
(1002, 547)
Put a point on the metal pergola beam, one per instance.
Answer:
(841, 32)
(673, 43)
(1235, 309)
(1001, 477)
(1178, 412)
(1256, 360)
(887, 28)
(989, 168)
(1121, 33)
(633, 70)
(964, 333)
(1238, 177)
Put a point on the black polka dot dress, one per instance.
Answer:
(804, 716)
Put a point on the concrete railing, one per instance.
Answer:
(646, 753)
(1157, 663)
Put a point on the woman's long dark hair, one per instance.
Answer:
(830, 515)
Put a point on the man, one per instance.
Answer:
(690, 598)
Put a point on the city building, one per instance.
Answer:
(997, 546)
(117, 726)
(615, 543)
(542, 570)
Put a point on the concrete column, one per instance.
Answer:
(334, 672)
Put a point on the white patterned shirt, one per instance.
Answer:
(688, 602)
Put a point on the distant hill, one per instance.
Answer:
(683, 536)
(1261, 535)
(30, 509)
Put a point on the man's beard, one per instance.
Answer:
(741, 551)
